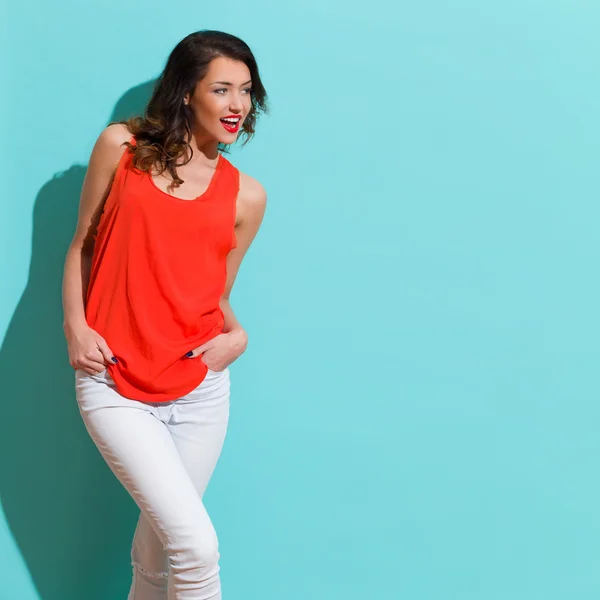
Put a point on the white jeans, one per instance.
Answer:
(164, 454)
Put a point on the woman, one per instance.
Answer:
(164, 222)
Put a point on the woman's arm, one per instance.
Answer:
(96, 186)
(250, 209)
(87, 349)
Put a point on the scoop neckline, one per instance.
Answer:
(211, 184)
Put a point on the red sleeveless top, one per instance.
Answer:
(158, 273)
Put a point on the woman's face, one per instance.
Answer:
(223, 92)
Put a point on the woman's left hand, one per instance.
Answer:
(219, 352)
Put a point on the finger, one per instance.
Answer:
(93, 367)
(204, 347)
(193, 353)
(106, 352)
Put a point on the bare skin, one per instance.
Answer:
(210, 101)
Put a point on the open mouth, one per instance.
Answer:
(232, 124)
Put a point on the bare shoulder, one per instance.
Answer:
(252, 197)
(109, 145)
(117, 132)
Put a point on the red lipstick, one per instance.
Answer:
(232, 126)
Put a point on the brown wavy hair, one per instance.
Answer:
(160, 133)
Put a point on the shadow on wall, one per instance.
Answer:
(70, 517)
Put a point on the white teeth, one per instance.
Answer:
(233, 121)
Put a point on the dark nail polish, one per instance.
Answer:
(114, 359)
(190, 353)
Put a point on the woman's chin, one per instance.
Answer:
(227, 138)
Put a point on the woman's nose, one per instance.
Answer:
(236, 103)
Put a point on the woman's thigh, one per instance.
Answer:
(197, 424)
(139, 448)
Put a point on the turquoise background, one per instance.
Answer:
(416, 415)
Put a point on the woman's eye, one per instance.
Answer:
(249, 90)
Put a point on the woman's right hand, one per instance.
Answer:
(88, 350)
